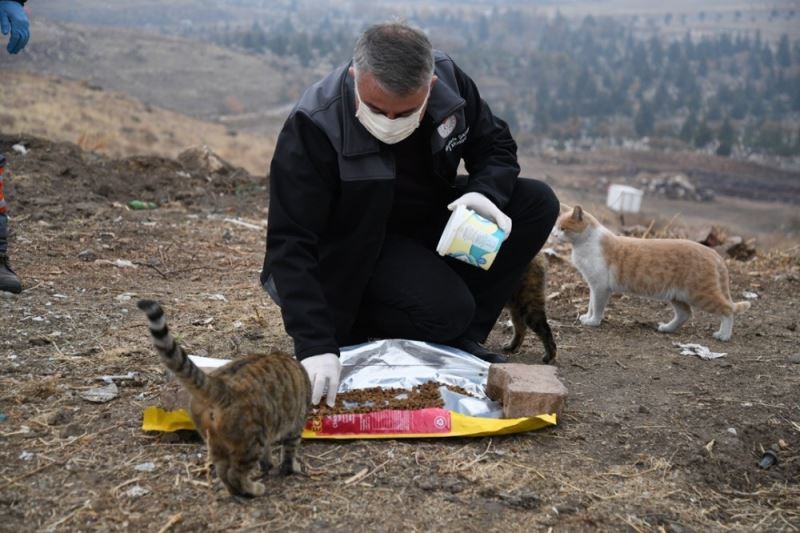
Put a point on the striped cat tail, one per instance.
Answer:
(172, 355)
(741, 307)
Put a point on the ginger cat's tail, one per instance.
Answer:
(173, 356)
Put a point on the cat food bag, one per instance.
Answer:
(397, 364)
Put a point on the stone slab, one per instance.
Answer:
(526, 390)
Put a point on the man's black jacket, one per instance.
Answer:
(331, 193)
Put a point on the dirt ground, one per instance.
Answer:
(651, 440)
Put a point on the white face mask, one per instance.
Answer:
(385, 129)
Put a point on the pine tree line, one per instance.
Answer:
(595, 78)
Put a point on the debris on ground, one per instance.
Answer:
(102, 394)
(677, 187)
(139, 204)
(703, 352)
(768, 459)
(145, 467)
(732, 246)
(711, 236)
(738, 248)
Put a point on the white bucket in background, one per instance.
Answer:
(624, 199)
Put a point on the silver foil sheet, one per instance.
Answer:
(402, 363)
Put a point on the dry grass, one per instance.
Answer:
(117, 125)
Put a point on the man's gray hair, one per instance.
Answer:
(398, 56)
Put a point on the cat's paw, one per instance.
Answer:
(720, 336)
(256, 488)
(666, 327)
(511, 346)
(291, 467)
(587, 320)
(266, 467)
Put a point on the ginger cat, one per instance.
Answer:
(684, 273)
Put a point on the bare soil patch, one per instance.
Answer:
(651, 440)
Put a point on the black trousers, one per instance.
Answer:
(414, 293)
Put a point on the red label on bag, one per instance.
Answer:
(421, 421)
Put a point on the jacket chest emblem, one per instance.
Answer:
(455, 141)
(447, 126)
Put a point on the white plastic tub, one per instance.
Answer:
(624, 198)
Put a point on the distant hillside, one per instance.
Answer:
(602, 78)
(115, 124)
(193, 78)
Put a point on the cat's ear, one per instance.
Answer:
(577, 213)
(564, 208)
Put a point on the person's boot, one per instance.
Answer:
(477, 350)
(9, 282)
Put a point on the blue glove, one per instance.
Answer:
(14, 19)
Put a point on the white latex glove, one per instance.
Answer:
(323, 371)
(485, 208)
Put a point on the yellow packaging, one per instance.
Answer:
(424, 423)
(471, 238)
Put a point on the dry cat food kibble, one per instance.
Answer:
(379, 399)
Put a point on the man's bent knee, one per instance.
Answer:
(449, 317)
(534, 201)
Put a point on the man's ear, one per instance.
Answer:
(352, 72)
(434, 79)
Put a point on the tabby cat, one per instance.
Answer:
(684, 273)
(242, 408)
(527, 307)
